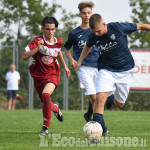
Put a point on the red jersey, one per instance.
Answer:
(44, 64)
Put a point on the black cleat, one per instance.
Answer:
(106, 133)
(58, 115)
(44, 131)
(87, 117)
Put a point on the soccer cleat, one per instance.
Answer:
(106, 133)
(44, 131)
(58, 115)
(87, 117)
(94, 142)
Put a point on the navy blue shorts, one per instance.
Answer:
(12, 94)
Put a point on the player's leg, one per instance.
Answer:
(54, 106)
(122, 88)
(99, 110)
(45, 97)
(118, 104)
(92, 100)
(49, 106)
(104, 86)
(87, 75)
(88, 114)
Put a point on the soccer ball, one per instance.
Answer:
(92, 130)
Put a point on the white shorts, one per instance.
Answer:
(87, 76)
(115, 82)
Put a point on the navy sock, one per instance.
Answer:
(90, 109)
(99, 118)
(111, 98)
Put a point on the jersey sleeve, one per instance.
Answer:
(127, 28)
(32, 45)
(60, 42)
(91, 40)
(69, 42)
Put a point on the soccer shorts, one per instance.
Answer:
(12, 94)
(115, 82)
(40, 84)
(87, 76)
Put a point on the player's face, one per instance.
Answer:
(100, 29)
(49, 31)
(85, 14)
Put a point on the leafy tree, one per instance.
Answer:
(140, 14)
(21, 20)
(139, 40)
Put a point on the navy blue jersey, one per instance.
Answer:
(78, 38)
(115, 54)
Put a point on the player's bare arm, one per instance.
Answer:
(69, 56)
(141, 26)
(60, 57)
(27, 55)
(84, 53)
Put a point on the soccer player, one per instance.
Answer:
(45, 70)
(115, 64)
(88, 71)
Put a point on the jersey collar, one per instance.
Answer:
(49, 42)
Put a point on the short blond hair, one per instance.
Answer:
(85, 4)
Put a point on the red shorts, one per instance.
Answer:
(39, 84)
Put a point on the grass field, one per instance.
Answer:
(19, 130)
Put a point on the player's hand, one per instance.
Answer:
(73, 64)
(40, 44)
(68, 73)
(77, 66)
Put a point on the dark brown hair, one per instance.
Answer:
(49, 20)
(94, 20)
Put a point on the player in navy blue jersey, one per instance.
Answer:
(88, 71)
(115, 64)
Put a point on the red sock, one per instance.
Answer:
(54, 107)
(46, 98)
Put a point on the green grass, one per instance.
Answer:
(19, 130)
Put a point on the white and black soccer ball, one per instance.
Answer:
(92, 130)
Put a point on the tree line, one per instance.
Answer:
(21, 21)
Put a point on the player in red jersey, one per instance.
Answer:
(45, 69)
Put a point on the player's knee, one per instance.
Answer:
(93, 98)
(100, 99)
(46, 98)
(119, 105)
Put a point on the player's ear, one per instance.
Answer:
(42, 29)
(104, 23)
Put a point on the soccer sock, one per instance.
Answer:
(99, 118)
(111, 98)
(54, 108)
(90, 109)
(46, 98)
